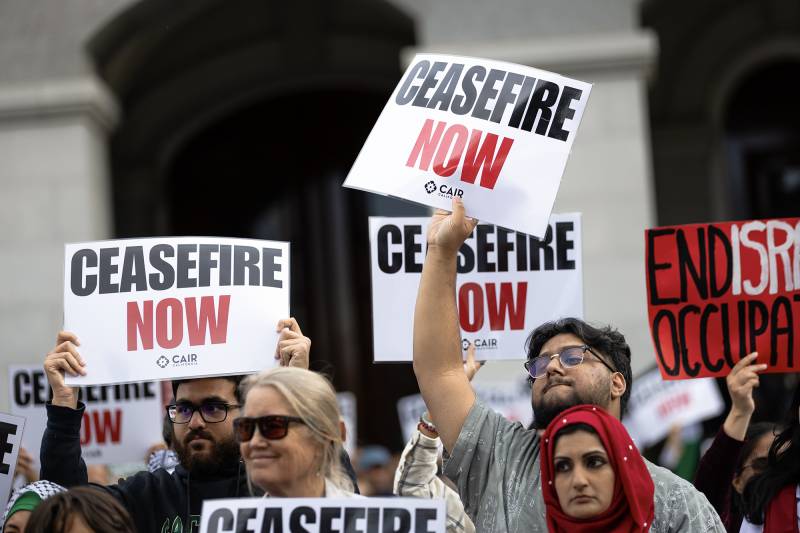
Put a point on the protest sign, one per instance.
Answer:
(347, 408)
(328, 515)
(495, 134)
(717, 292)
(656, 405)
(511, 399)
(11, 431)
(508, 283)
(119, 424)
(166, 308)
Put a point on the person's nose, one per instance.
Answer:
(555, 366)
(579, 480)
(258, 440)
(196, 421)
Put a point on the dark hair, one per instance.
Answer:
(100, 511)
(751, 438)
(236, 380)
(166, 431)
(607, 340)
(574, 428)
(783, 467)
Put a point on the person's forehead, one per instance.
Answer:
(579, 442)
(562, 340)
(197, 390)
(262, 401)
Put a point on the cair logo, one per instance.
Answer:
(189, 359)
(480, 344)
(443, 190)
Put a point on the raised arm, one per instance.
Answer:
(60, 455)
(437, 338)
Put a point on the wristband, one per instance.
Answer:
(427, 425)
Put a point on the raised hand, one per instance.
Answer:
(64, 358)
(741, 382)
(293, 348)
(471, 366)
(447, 231)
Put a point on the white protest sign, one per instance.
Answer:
(177, 307)
(508, 283)
(119, 424)
(329, 515)
(656, 405)
(512, 400)
(347, 408)
(495, 134)
(11, 431)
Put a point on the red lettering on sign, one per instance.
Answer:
(673, 404)
(98, 427)
(211, 317)
(471, 303)
(504, 305)
(449, 148)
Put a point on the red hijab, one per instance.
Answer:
(632, 508)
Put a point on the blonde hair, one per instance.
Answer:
(312, 398)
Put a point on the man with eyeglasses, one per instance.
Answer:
(494, 462)
(202, 427)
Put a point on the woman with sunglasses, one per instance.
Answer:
(593, 477)
(290, 436)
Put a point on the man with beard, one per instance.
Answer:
(494, 462)
(202, 418)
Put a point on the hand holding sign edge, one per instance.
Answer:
(741, 381)
(448, 231)
(64, 358)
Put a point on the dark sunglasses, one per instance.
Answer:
(272, 427)
(569, 357)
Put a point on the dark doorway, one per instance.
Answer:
(762, 141)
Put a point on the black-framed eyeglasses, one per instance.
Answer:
(272, 427)
(210, 412)
(569, 357)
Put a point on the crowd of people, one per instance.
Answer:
(279, 434)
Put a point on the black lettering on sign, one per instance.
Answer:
(273, 520)
(166, 274)
(107, 268)
(83, 284)
(244, 515)
(421, 519)
(408, 91)
(133, 273)
(563, 244)
(462, 105)
(6, 430)
(22, 395)
(326, 517)
(484, 247)
(430, 82)
(269, 256)
(220, 521)
(351, 516)
(300, 517)
(675, 368)
(564, 111)
(396, 520)
(412, 248)
(653, 267)
(389, 263)
(443, 96)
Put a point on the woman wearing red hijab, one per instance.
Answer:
(593, 478)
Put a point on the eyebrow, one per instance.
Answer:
(208, 399)
(590, 452)
(547, 354)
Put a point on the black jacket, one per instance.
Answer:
(158, 502)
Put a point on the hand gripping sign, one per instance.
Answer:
(324, 515)
(176, 307)
(717, 292)
(508, 283)
(495, 134)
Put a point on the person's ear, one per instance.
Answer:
(618, 385)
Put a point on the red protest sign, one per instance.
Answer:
(717, 292)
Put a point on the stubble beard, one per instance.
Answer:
(546, 409)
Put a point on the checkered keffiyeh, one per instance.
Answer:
(44, 489)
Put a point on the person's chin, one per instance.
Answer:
(586, 509)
